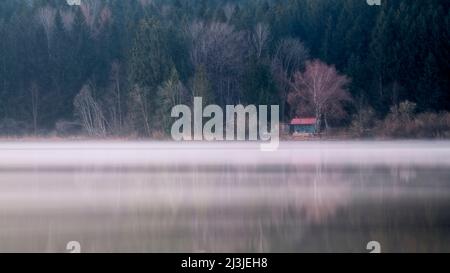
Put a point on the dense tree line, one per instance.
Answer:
(117, 67)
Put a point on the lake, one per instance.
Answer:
(225, 197)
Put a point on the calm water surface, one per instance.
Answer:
(180, 197)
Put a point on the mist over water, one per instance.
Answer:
(225, 197)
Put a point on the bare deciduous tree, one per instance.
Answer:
(105, 16)
(68, 18)
(90, 10)
(172, 92)
(46, 17)
(95, 16)
(115, 74)
(290, 56)
(140, 101)
(90, 113)
(259, 38)
(34, 92)
(112, 100)
(222, 51)
(320, 91)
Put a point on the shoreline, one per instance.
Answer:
(331, 138)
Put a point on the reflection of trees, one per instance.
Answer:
(224, 208)
(221, 209)
(247, 211)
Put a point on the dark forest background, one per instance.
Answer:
(117, 67)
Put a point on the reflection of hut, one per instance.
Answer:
(303, 126)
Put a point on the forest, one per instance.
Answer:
(115, 68)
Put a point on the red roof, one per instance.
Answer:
(303, 121)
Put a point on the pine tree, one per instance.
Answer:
(150, 62)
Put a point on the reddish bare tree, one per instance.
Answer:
(320, 91)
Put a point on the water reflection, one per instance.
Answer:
(231, 197)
